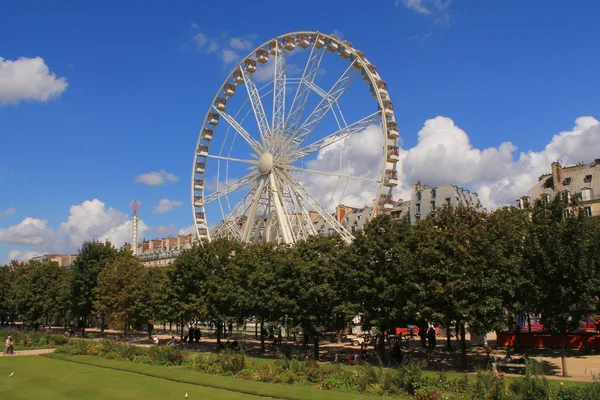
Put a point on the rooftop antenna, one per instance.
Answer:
(135, 205)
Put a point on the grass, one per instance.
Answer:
(51, 379)
(273, 390)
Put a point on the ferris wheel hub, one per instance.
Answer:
(265, 163)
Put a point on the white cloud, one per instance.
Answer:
(338, 34)
(437, 9)
(229, 56)
(28, 79)
(200, 39)
(187, 230)
(91, 220)
(240, 43)
(166, 205)
(30, 231)
(156, 178)
(22, 255)
(8, 211)
(444, 155)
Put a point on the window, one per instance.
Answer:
(418, 218)
(586, 194)
(419, 195)
(448, 200)
(418, 208)
(567, 181)
(432, 205)
(587, 179)
(433, 193)
(519, 204)
(353, 229)
(588, 211)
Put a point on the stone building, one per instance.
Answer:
(581, 180)
(162, 252)
(63, 260)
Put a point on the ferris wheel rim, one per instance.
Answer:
(373, 78)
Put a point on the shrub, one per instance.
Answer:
(163, 355)
(489, 385)
(532, 386)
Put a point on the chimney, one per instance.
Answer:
(417, 185)
(557, 174)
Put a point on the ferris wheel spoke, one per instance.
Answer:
(323, 213)
(360, 178)
(232, 159)
(230, 188)
(279, 88)
(257, 106)
(232, 226)
(282, 220)
(323, 107)
(249, 223)
(256, 146)
(335, 137)
(301, 96)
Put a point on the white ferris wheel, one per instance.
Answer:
(265, 133)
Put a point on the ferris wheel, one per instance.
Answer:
(266, 134)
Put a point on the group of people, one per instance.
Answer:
(428, 334)
(194, 335)
(8, 345)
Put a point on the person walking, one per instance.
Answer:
(423, 334)
(431, 335)
(8, 345)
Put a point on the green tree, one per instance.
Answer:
(314, 272)
(454, 280)
(118, 283)
(381, 258)
(266, 293)
(84, 272)
(507, 230)
(154, 297)
(39, 291)
(561, 249)
(7, 306)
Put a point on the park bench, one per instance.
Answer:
(511, 366)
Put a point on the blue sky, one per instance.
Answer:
(128, 85)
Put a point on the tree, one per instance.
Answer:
(381, 260)
(84, 272)
(507, 230)
(117, 286)
(7, 306)
(206, 282)
(39, 291)
(454, 280)
(154, 297)
(266, 293)
(562, 250)
(317, 262)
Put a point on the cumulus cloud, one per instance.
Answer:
(240, 43)
(228, 56)
(22, 255)
(187, 230)
(444, 154)
(437, 9)
(30, 231)
(156, 178)
(28, 79)
(229, 48)
(7, 212)
(166, 205)
(91, 220)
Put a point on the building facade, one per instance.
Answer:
(581, 180)
(162, 252)
(63, 260)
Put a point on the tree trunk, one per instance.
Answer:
(316, 347)
(262, 336)
(563, 352)
(305, 341)
(102, 326)
(529, 322)
(181, 334)
(339, 336)
(448, 336)
(463, 346)
(83, 329)
(219, 327)
(255, 330)
(381, 346)
(518, 337)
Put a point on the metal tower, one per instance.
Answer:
(135, 205)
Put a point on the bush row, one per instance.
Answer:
(29, 339)
(485, 385)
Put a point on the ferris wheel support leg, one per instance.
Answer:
(284, 225)
(250, 221)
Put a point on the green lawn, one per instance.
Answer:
(49, 379)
